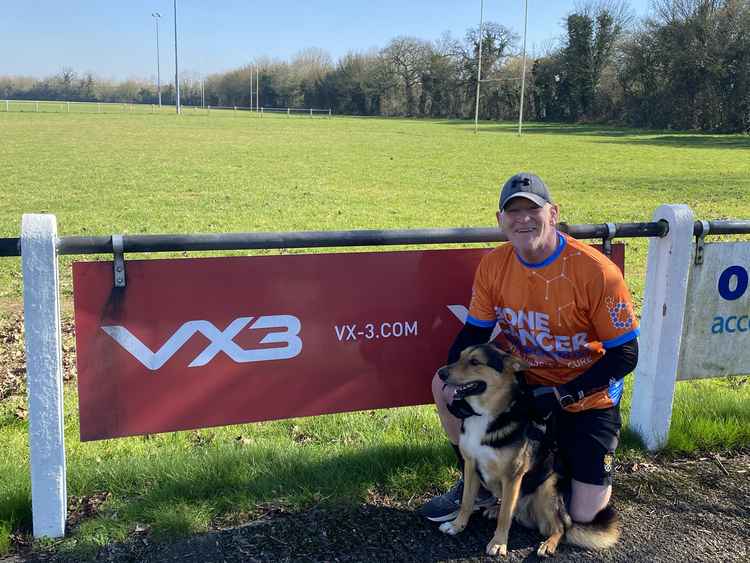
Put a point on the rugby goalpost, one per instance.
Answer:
(479, 67)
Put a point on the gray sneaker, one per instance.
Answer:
(445, 507)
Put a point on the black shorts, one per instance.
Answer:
(586, 443)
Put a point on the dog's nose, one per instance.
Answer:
(443, 373)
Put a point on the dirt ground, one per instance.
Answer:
(685, 510)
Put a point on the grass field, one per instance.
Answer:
(142, 173)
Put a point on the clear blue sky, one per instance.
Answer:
(116, 39)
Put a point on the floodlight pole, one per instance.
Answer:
(176, 73)
(479, 65)
(157, 16)
(523, 75)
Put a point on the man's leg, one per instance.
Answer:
(588, 500)
(450, 423)
(587, 443)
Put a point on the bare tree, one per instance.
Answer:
(312, 64)
(408, 57)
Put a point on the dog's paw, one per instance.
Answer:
(547, 549)
(450, 528)
(491, 512)
(497, 549)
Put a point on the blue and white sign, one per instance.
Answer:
(716, 331)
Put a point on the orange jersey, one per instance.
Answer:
(559, 315)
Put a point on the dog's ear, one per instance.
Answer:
(495, 357)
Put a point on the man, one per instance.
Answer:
(564, 308)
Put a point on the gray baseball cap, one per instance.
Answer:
(525, 185)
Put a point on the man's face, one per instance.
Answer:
(530, 229)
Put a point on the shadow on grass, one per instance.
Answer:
(548, 128)
(692, 141)
(286, 481)
(648, 137)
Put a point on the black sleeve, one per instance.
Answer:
(469, 336)
(615, 364)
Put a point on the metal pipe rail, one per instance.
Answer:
(316, 239)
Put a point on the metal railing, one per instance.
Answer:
(61, 106)
(317, 239)
(54, 106)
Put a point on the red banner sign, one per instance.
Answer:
(192, 343)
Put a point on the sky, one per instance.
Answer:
(116, 39)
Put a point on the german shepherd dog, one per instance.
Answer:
(505, 449)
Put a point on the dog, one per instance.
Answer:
(507, 450)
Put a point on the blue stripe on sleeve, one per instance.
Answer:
(622, 339)
(479, 322)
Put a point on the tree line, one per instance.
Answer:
(685, 66)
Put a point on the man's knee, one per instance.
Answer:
(588, 500)
(437, 390)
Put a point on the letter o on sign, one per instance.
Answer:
(739, 289)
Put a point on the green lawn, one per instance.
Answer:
(131, 173)
(141, 173)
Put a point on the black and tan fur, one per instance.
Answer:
(501, 445)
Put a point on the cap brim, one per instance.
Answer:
(540, 201)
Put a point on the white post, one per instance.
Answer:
(68, 107)
(37, 107)
(176, 73)
(523, 72)
(667, 273)
(479, 65)
(7, 106)
(44, 374)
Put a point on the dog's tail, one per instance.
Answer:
(601, 533)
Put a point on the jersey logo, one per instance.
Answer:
(618, 313)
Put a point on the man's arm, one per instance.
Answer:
(470, 335)
(614, 365)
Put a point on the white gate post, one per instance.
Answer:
(667, 273)
(44, 374)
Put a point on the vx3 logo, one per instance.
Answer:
(221, 341)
